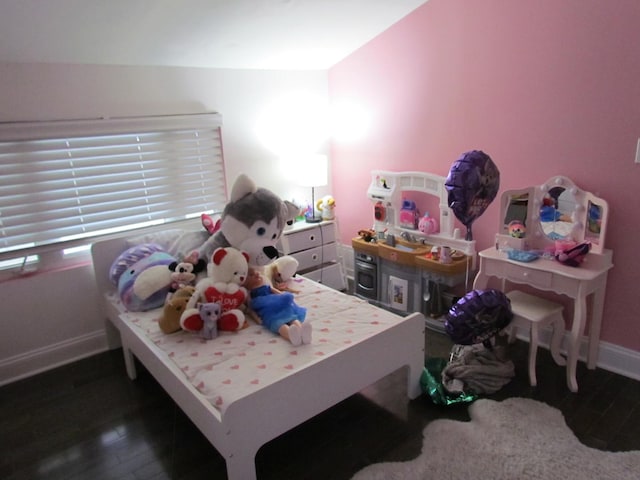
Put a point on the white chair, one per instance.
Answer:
(531, 312)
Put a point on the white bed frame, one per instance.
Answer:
(245, 425)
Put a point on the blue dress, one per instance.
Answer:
(275, 309)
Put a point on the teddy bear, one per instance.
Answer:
(227, 273)
(174, 305)
(252, 221)
(209, 314)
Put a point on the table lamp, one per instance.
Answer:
(312, 172)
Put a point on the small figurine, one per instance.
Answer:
(516, 229)
(367, 235)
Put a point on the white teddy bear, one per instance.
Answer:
(227, 273)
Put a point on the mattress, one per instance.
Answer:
(236, 364)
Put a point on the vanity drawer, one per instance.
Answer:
(535, 278)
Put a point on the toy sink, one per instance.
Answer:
(403, 252)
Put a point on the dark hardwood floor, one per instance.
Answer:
(87, 420)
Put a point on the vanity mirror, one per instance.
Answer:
(557, 210)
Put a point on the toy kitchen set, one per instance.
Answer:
(411, 261)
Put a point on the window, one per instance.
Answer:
(66, 181)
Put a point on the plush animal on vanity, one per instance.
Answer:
(516, 229)
(226, 275)
(252, 222)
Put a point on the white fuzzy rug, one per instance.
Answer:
(516, 439)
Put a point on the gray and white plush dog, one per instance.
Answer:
(252, 222)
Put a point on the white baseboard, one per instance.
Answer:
(618, 359)
(611, 357)
(42, 359)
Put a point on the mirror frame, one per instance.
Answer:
(535, 237)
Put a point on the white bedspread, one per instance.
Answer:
(236, 364)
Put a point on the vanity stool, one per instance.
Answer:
(531, 312)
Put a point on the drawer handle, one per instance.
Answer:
(312, 237)
(525, 274)
(314, 256)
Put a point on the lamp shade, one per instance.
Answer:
(311, 170)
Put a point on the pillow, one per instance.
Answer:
(160, 237)
(145, 284)
(131, 256)
(187, 242)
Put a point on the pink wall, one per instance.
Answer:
(544, 87)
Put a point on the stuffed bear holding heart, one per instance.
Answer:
(227, 273)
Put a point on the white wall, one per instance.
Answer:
(51, 318)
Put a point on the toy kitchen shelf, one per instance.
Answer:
(386, 192)
(396, 270)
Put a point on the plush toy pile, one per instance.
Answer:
(202, 291)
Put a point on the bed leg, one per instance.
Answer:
(414, 390)
(241, 466)
(416, 367)
(129, 363)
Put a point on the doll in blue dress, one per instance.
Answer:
(277, 310)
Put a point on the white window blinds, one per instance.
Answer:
(64, 181)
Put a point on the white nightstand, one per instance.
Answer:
(314, 246)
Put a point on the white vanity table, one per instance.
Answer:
(585, 219)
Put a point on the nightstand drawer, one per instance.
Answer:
(535, 278)
(314, 257)
(302, 240)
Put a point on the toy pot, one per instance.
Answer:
(445, 255)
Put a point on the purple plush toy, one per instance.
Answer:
(209, 313)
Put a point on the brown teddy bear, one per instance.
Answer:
(173, 307)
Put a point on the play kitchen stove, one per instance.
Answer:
(366, 276)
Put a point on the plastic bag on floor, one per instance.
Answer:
(431, 384)
(477, 369)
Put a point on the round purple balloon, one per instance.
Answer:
(472, 184)
(478, 316)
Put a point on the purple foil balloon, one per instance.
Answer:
(472, 183)
(478, 316)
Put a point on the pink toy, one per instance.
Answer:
(409, 214)
(428, 225)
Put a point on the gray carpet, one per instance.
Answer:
(517, 438)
